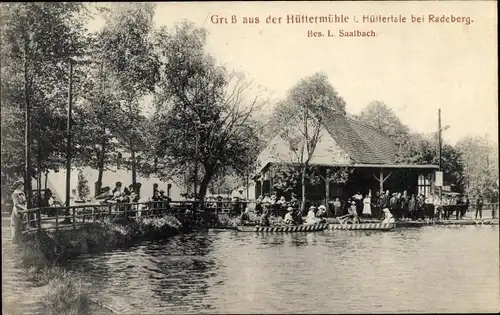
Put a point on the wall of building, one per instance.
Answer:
(327, 152)
(57, 182)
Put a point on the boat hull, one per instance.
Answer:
(363, 226)
(284, 229)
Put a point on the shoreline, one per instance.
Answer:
(44, 255)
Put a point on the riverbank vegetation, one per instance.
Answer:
(44, 255)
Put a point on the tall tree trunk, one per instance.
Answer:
(303, 203)
(27, 144)
(100, 174)
(204, 183)
(327, 192)
(39, 171)
(134, 170)
(46, 178)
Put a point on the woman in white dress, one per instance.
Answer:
(367, 208)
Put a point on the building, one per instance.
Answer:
(368, 154)
(56, 182)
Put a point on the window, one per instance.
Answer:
(424, 185)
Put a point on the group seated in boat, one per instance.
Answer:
(351, 216)
(311, 215)
(292, 217)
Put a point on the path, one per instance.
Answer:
(17, 291)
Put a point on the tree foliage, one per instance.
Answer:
(203, 118)
(128, 53)
(421, 149)
(380, 116)
(298, 122)
(38, 41)
(480, 158)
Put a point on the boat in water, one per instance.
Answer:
(362, 226)
(284, 228)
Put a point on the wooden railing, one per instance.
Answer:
(49, 218)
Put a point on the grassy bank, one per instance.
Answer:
(44, 255)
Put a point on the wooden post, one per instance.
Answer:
(381, 181)
(39, 218)
(93, 214)
(74, 218)
(57, 219)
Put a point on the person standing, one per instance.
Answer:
(367, 209)
(421, 207)
(458, 208)
(384, 202)
(394, 205)
(337, 206)
(412, 207)
(358, 198)
(465, 207)
(374, 204)
(479, 207)
(405, 204)
(19, 204)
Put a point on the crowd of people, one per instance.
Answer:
(399, 205)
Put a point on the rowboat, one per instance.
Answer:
(362, 226)
(284, 228)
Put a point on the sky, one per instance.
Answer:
(415, 68)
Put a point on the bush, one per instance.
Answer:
(65, 295)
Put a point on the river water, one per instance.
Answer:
(428, 269)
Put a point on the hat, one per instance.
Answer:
(353, 202)
(312, 208)
(385, 210)
(322, 207)
(162, 191)
(289, 209)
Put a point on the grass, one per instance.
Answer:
(44, 255)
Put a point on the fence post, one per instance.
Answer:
(57, 219)
(110, 211)
(39, 218)
(74, 218)
(93, 214)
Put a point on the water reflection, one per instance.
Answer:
(434, 269)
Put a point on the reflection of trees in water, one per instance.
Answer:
(185, 267)
(173, 272)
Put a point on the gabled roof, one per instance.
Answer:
(364, 144)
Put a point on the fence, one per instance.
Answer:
(49, 218)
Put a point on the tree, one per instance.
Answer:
(420, 149)
(380, 116)
(128, 54)
(203, 118)
(298, 120)
(97, 114)
(480, 158)
(83, 187)
(38, 42)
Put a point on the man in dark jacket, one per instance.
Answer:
(395, 206)
(405, 203)
(479, 207)
(384, 203)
